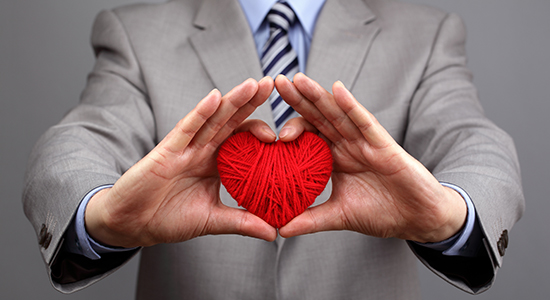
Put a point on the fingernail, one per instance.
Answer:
(285, 132)
(281, 75)
(344, 88)
(270, 132)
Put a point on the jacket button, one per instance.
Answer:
(47, 240)
(42, 235)
(502, 243)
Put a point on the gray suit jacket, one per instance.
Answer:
(404, 63)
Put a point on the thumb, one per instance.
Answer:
(325, 217)
(228, 220)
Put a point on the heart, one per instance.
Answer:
(275, 181)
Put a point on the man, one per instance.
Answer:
(413, 154)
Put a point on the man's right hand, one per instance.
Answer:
(172, 194)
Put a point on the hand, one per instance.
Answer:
(172, 194)
(377, 188)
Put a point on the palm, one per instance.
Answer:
(163, 211)
(370, 180)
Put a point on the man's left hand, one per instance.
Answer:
(378, 188)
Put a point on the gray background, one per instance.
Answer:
(45, 56)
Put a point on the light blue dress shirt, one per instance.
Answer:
(300, 36)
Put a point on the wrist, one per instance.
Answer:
(97, 224)
(453, 213)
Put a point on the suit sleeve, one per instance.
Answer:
(97, 141)
(450, 135)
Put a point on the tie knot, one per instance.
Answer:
(281, 16)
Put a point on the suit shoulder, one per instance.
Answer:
(148, 23)
(390, 12)
(151, 14)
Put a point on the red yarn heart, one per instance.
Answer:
(275, 181)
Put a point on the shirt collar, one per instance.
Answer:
(306, 11)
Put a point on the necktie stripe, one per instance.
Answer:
(279, 20)
(283, 9)
(284, 116)
(273, 40)
(292, 65)
(276, 102)
(275, 50)
(278, 57)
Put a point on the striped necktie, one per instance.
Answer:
(278, 57)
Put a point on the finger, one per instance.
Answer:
(306, 108)
(230, 104)
(259, 129)
(294, 127)
(186, 129)
(227, 220)
(325, 217)
(375, 134)
(265, 87)
(324, 101)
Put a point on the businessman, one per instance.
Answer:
(417, 166)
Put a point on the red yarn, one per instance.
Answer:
(275, 181)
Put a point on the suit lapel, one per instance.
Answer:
(341, 41)
(226, 48)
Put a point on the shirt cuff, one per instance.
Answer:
(78, 240)
(457, 244)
